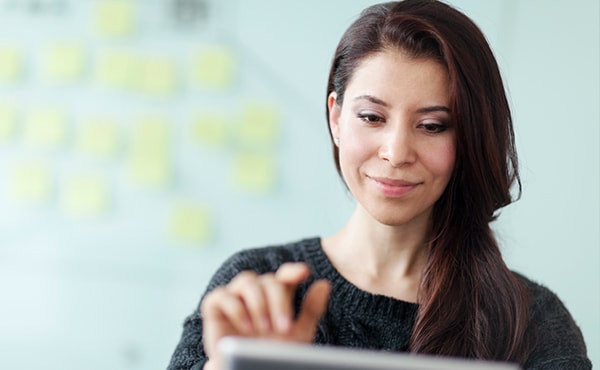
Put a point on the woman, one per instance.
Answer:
(423, 139)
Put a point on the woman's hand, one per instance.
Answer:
(253, 305)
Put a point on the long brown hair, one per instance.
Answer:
(470, 303)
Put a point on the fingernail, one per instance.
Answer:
(283, 323)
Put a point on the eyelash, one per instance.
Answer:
(431, 128)
(370, 118)
(434, 128)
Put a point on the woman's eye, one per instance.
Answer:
(434, 128)
(370, 118)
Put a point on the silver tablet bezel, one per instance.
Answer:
(236, 350)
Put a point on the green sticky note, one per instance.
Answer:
(150, 159)
(63, 63)
(46, 128)
(157, 77)
(8, 118)
(117, 69)
(98, 137)
(115, 18)
(214, 68)
(11, 64)
(259, 125)
(191, 223)
(211, 129)
(254, 173)
(30, 183)
(85, 195)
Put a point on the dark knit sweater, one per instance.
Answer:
(356, 318)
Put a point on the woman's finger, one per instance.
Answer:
(293, 273)
(279, 298)
(247, 285)
(220, 306)
(313, 308)
(223, 314)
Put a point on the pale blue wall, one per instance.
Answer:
(111, 293)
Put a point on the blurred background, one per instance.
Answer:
(143, 142)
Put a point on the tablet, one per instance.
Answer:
(260, 354)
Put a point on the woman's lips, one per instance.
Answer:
(394, 187)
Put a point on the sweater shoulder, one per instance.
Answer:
(547, 309)
(263, 259)
(559, 339)
(544, 302)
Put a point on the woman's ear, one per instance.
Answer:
(334, 115)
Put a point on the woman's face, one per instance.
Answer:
(396, 146)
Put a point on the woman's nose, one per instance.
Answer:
(398, 147)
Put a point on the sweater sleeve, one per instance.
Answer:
(560, 344)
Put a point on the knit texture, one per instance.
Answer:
(359, 319)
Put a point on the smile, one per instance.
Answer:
(394, 188)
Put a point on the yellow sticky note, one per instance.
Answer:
(191, 223)
(85, 195)
(7, 122)
(153, 171)
(11, 64)
(210, 128)
(117, 69)
(46, 128)
(259, 125)
(150, 159)
(98, 137)
(215, 68)
(63, 63)
(115, 18)
(157, 77)
(30, 183)
(254, 173)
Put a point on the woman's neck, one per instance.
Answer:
(382, 259)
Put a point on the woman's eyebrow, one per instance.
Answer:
(434, 108)
(372, 99)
